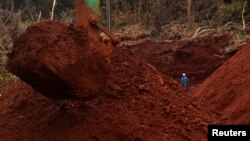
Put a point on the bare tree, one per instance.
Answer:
(189, 13)
(139, 10)
(39, 16)
(53, 9)
(108, 14)
(135, 10)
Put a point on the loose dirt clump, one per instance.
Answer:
(60, 61)
(228, 88)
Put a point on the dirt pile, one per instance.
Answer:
(228, 88)
(60, 61)
(198, 58)
(138, 103)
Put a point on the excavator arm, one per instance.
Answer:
(87, 12)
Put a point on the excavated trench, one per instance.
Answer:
(198, 58)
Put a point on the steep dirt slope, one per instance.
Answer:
(228, 88)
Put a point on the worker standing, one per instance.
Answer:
(184, 80)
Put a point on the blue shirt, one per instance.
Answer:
(184, 79)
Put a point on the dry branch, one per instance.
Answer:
(10, 12)
(196, 32)
(200, 31)
(228, 23)
(242, 16)
(39, 17)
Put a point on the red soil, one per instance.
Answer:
(228, 88)
(60, 61)
(197, 58)
(138, 103)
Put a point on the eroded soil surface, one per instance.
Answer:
(142, 99)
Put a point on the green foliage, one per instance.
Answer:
(5, 76)
(68, 16)
(241, 35)
(233, 11)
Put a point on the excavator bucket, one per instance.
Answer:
(94, 5)
(87, 12)
(84, 9)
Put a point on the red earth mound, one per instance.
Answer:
(138, 103)
(198, 58)
(60, 61)
(228, 88)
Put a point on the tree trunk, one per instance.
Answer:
(139, 11)
(189, 13)
(135, 10)
(108, 14)
(116, 6)
(53, 10)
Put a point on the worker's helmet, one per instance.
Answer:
(183, 74)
